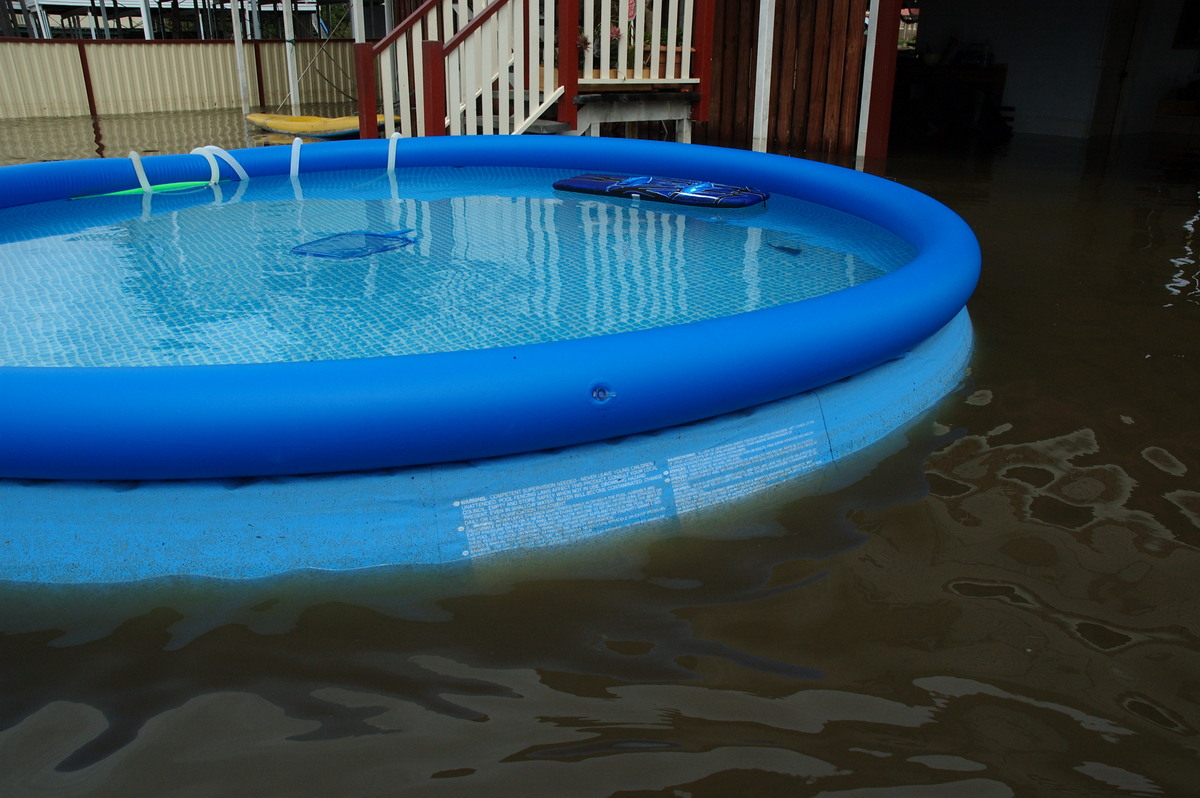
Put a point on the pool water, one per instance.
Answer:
(207, 276)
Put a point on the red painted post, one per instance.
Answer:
(883, 79)
(703, 41)
(435, 87)
(258, 76)
(568, 60)
(525, 33)
(364, 67)
(87, 80)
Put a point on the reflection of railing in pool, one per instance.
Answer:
(484, 270)
(609, 289)
(552, 267)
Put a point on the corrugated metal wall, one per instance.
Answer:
(41, 80)
(48, 78)
(163, 77)
(326, 72)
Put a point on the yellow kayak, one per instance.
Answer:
(315, 126)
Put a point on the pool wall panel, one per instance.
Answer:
(653, 483)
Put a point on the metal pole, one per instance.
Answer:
(104, 18)
(147, 22)
(45, 20)
(358, 25)
(239, 51)
(289, 37)
(762, 85)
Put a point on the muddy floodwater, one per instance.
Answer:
(1004, 604)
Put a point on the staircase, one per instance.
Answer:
(464, 67)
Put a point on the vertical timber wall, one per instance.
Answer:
(817, 73)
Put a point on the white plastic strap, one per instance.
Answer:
(296, 144)
(229, 159)
(213, 168)
(241, 191)
(391, 162)
(211, 153)
(141, 173)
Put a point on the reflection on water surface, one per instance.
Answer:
(1005, 607)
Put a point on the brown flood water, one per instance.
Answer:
(1005, 607)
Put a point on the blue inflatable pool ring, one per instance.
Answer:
(326, 416)
(664, 189)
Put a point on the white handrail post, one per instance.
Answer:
(639, 40)
(603, 47)
(388, 77)
(420, 33)
(588, 54)
(519, 55)
(549, 28)
(672, 39)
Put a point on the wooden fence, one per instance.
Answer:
(817, 72)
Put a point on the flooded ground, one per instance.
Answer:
(1006, 606)
(58, 139)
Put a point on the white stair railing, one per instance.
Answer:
(499, 71)
(496, 66)
(466, 66)
(400, 60)
(637, 42)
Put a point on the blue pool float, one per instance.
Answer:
(664, 189)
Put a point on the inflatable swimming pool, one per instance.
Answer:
(247, 419)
